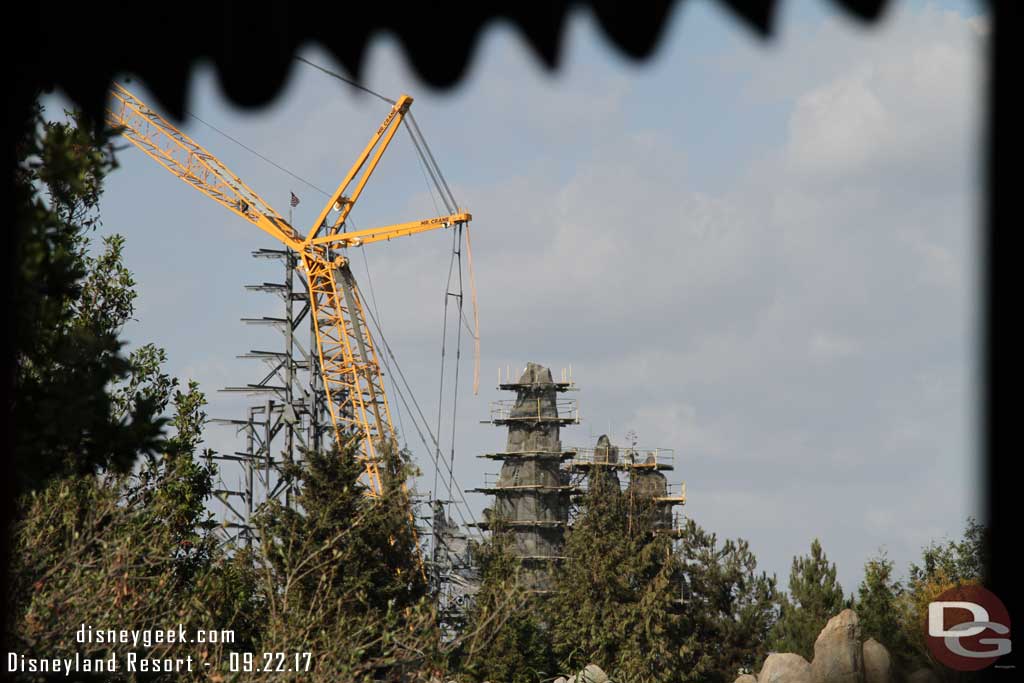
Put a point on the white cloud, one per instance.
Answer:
(837, 128)
(824, 346)
(800, 335)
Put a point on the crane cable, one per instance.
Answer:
(444, 191)
(354, 84)
(433, 162)
(422, 419)
(394, 370)
(450, 203)
(429, 163)
(447, 197)
(250, 149)
(434, 170)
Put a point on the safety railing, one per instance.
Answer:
(493, 480)
(661, 458)
(540, 409)
(678, 522)
(674, 492)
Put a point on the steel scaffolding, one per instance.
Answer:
(532, 492)
(291, 415)
(644, 470)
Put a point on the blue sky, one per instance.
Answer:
(759, 254)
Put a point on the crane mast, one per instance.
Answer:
(347, 356)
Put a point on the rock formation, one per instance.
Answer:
(839, 657)
(838, 654)
(877, 663)
(785, 667)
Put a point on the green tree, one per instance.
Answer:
(943, 566)
(68, 310)
(965, 560)
(878, 609)
(728, 606)
(506, 636)
(176, 486)
(113, 549)
(617, 598)
(94, 543)
(815, 596)
(339, 575)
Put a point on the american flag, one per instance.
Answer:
(295, 200)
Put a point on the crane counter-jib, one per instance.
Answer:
(347, 356)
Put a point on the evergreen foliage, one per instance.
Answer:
(815, 596)
(506, 636)
(113, 550)
(339, 576)
(729, 607)
(68, 309)
(943, 566)
(114, 529)
(959, 561)
(616, 599)
(626, 599)
(878, 601)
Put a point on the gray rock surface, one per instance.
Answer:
(877, 662)
(784, 667)
(746, 678)
(838, 654)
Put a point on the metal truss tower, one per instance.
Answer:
(455, 577)
(290, 416)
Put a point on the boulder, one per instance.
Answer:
(746, 678)
(591, 673)
(784, 667)
(877, 662)
(838, 655)
(561, 679)
(923, 675)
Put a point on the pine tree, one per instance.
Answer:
(959, 561)
(943, 566)
(140, 547)
(815, 596)
(728, 605)
(177, 486)
(877, 605)
(340, 575)
(616, 599)
(89, 537)
(506, 636)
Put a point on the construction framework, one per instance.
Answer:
(290, 415)
(538, 490)
(532, 493)
(644, 470)
(347, 358)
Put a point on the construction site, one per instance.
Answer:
(333, 378)
(370, 398)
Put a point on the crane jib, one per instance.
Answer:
(351, 373)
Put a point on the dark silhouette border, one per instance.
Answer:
(80, 48)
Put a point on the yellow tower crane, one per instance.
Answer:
(352, 379)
